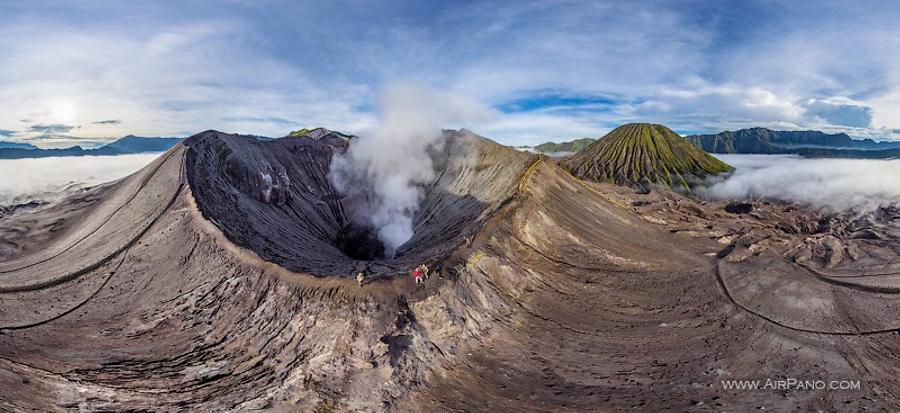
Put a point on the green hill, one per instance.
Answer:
(638, 154)
(299, 133)
(570, 146)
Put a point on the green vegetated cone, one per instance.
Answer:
(299, 133)
(639, 154)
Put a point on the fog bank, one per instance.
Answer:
(24, 180)
(836, 184)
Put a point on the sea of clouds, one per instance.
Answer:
(24, 180)
(837, 184)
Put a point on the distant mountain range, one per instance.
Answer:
(16, 145)
(745, 141)
(124, 146)
(806, 143)
(813, 144)
(893, 153)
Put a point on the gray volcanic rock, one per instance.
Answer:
(211, 280)
(275, 198)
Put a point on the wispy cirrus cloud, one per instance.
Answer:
(51, 128)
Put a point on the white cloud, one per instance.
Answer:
(840, 111)
(44, 178)
(836, 184)
(186, 79)
(165, 69)
(729, 104)
(533, 128)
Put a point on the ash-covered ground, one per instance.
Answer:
(221, 277)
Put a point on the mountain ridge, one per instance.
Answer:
(16, 145)
(125, 145)
(573, 146)
(767, 141)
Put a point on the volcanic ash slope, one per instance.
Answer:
(213, 279)
(642, 154)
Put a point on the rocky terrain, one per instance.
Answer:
(220, 278)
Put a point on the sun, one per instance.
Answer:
(63, 111)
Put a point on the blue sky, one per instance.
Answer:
(81, 72)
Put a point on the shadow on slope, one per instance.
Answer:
(275, 198)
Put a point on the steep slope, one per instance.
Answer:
(275, 198)
(767, 141)
(756, 140)
(641, 154)
(210, 280)
(554, 294)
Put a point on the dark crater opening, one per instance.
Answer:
(360, 243)
(275, 198)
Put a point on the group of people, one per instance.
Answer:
(420, 274)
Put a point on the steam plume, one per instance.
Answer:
(836, 184)
(384, 169)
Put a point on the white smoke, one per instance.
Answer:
(42, 179)
(859, 185)
(384, 169)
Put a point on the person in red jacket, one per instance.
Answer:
(418, 275)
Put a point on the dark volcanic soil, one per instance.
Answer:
(217, 279)
(275, 198)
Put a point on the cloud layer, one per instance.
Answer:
(44, 178)
(836, 184)
(554, 69)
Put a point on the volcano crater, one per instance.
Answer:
(275, 198)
